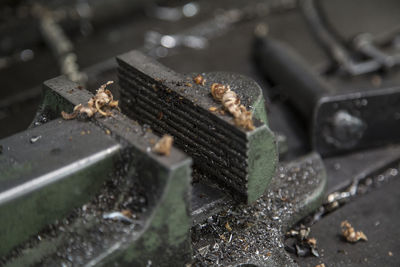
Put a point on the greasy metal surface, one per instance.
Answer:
(255, 232)
(346, 169)
(165, 183)
(241, 161)
(376, 109)
(227, 52)
(376, 214)
(207, 200)
(85, 232)
(46, 172)
(58, 144)
(341, 118)
(62, 94)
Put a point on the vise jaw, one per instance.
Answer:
(241, 161)
(51, 170)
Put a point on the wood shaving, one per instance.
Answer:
(199, 80)
(89, 111)
(218, 90)
(350, 234)
(213, 109)
(231, 102)
(164, 145)
(69, 116)
(102, 103)
(320, 265)
(152, 141)
(244, 119)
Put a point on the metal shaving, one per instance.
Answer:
(357, 187)
(102, 103)
(118, 216)
(303, 245)
(257, 230)
(231, 102)
(95, 233)
(164, 145)
(350, 234)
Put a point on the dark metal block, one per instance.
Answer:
(241, 161)
(341, 118)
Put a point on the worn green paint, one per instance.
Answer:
(46, 247)
(262, 157)
(164, 241)
(315, 198)
(25, 216)
(13, 171)
(259, 110)
(167, 237)
(53, 103)
(33, 256)
(262, 161)
(64, 195)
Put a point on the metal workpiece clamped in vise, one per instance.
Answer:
(340, 117)
(239, 160)
(94, 192)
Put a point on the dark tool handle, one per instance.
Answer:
(280, 64)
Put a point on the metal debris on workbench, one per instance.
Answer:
(164, 145)
(118, 216)
(102, 103)
(350, 234)
(117, 192)
(258, 229)
(358, 187)
(231, 102)
(299, 243)
(34, 139)
(199, 80)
